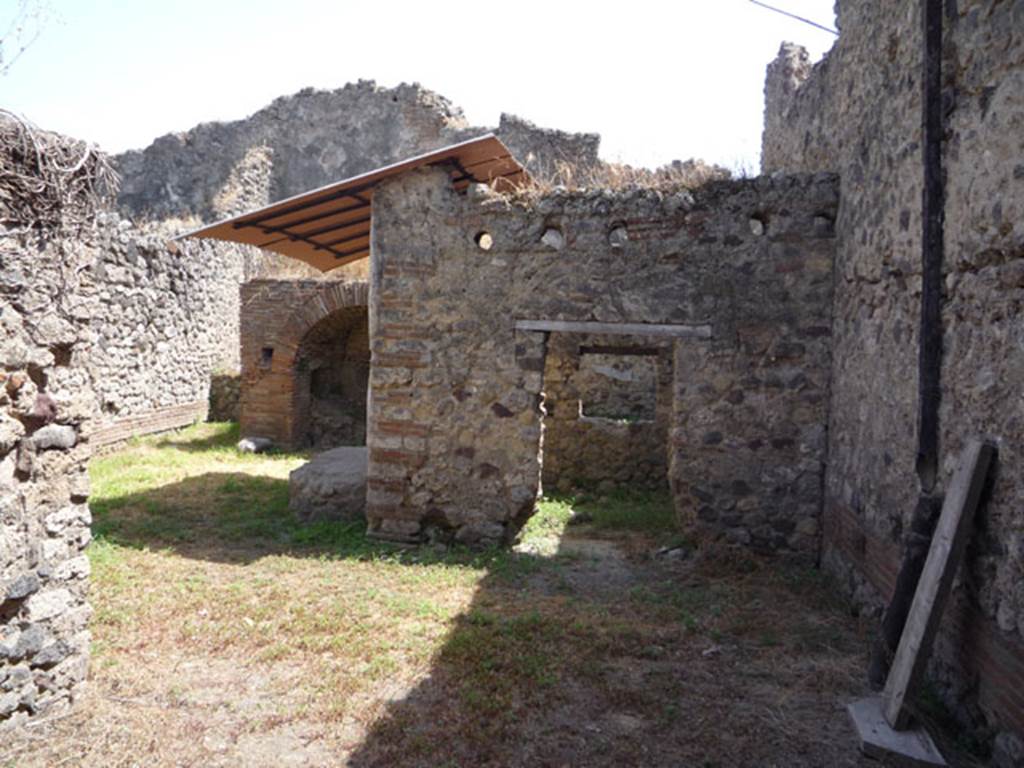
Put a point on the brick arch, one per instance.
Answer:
(306, 303)
(276, 315)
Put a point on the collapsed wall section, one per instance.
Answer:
(456, 389)
(312, 138)
(859, 113)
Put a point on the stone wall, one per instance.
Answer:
(225, 397)
(46, 409)
(456, 407)
(618, 387)
(332, 369)
(310, 139)
(172, 313)
(542, 150)
(603, 426)
(277, 316)
(859, 113)
(167, 320)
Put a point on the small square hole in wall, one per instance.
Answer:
(617, 387)
(266, 357)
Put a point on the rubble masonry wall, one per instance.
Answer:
(46, 418)
(858, 112)
(166, 326)
(455, 412)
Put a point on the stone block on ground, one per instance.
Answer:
(254, 445)
(331, 486)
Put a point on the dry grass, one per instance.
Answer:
(615, 177)
(225, 634)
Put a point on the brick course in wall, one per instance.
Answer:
(450, 370)
(111, 433)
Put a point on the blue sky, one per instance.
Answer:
(658, 80)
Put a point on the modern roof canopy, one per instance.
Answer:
(330, 226)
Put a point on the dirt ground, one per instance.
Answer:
(645, 698)
(220, 645)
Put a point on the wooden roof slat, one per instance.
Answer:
(363, 219)
(360, 227)
(330, 212)
(362, 233)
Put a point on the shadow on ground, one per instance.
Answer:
(589, 645)
(220, 516)
(225, 438)
(605, 654)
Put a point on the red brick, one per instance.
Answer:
(385, 484)
(414, 459)
(409, 428)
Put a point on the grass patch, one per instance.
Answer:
(634, 510)
(224, 632)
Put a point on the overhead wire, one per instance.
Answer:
(794, 16)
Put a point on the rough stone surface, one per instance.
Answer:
(55, 436)
(46, 411)
(225, 397)
(168, 319)
(331, 486)
(456, 405)
(858, 112)
(254, 445)
(310, 139)
(305, 358)
(541, 150)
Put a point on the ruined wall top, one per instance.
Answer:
(542, 149)
(797, 101)
(310, 139)
(296, 143)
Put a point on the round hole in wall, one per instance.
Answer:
(484, 241)
(553, 238)
(618, 236)
(758, 224)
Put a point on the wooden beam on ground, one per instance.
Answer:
(628, 329)
(936, 582)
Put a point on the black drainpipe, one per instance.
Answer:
(929, 358)
(932, 205)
